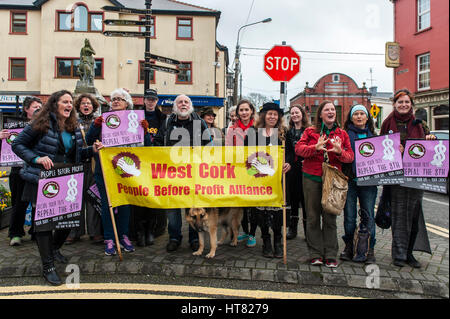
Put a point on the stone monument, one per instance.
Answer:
(86, 70)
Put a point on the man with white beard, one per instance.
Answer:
(182, 128)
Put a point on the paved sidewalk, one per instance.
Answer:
(244, 263)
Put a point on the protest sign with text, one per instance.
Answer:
(379, 160)
(59, 198)
(123, 128)
(426, 165)
(8, 157)
(180, 177)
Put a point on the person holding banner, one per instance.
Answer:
(324, 139)
(209, 117)
(297, 125)
(409, 232)
(358, 125)
(120, 100)
(245, 117)
(52, 137)
(86, 105)
(182, 128)
(271, 131)
(30, 105)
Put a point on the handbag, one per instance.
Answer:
(334, 189)
(383, 217)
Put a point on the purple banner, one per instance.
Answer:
(59, 198)
(8, 157)
(94, 197)
(123, 127)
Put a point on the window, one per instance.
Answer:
(17, 69)
(440, 117)
(152, 27)
(80, 19)
(185, 75)
(142, 73)
(67, 68)
(336, 78)
(423, 14)
(18, 23)
(423, 72)
(184, 28)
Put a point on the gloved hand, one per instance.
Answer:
(144, 124)
(98, 121)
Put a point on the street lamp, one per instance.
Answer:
(237, 63)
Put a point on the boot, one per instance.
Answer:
(149, 238)
(410, 260)
(292, 232)
(59, 257)
(140, 239)
(51, 276)
(347, 254)
(267, 247)
(371, 257)
(278, 247)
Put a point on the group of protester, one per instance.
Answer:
(56, 134)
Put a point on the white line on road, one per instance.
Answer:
(435, 201)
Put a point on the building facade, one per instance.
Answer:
(339, 88)
(421, 28)
(42, 41)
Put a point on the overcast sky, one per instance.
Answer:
(308, 25)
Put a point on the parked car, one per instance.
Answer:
(442, 135)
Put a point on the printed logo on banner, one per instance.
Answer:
(50, 190)
(127, 164)
(366, 149)
(416, 150)
(113, 121)
(12, 137)
(260, 164)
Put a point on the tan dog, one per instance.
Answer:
(209, 219)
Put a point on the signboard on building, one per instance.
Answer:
(392, 55)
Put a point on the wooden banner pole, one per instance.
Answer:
(119, 252)
(284, 208)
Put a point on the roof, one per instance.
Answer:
(158, 6)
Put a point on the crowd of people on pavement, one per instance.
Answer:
(67, 131)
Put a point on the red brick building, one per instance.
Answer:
(339, 88)
(421, 27)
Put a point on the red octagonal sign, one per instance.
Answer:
(282, 63)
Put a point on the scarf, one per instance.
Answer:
(242, 126)
(413, 129)
(353, 133)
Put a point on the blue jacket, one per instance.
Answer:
(30, 144)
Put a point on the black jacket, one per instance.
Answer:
(30, 144)
(172, 132)
(155, 121)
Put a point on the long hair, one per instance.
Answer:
(77, 103)
(318, 120)
(42, 123)
(261, 123)
(349, 121)
(305, 120)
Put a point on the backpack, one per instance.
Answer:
(361, 238)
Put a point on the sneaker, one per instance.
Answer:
(331, 263)
(251, 241)
(15, 241)
(126, 244)
(242, 237)
(316, 262)
(110, 249)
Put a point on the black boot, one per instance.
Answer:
(371, 257)
(410, 260)
(292, 232)
(149, 238)
(140, 239)
(278, 247)
(347, 254)
(59, 257)
(267, 247)
(51, 276)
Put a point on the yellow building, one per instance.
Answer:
(41, 42)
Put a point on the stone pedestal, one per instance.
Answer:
(83, 87)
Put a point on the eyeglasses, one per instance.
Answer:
(118, 99)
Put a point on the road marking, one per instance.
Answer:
(50, 292)
(438, 228)
(435, 201)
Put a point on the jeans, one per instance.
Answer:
(121, 214)
(367, 196)
(174, 226)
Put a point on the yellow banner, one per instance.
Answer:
(184, 177)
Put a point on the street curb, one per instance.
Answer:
(280, 274)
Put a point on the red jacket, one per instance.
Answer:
(312, 163)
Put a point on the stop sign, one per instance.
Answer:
(282, 63)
